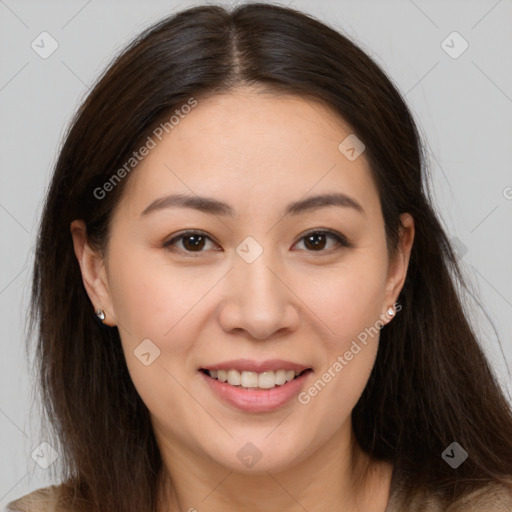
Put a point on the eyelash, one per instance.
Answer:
(342, 242)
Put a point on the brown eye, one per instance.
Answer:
(316, 241)
(191, 241)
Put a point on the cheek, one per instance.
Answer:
(350, 307)
(161, 303)
(348, 299)
(348, 303)
(164, 303)
(153, 298)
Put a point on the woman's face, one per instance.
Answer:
(262, 286)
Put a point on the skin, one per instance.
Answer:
(257, 152)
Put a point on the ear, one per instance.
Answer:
(397, 267)
(94, 274)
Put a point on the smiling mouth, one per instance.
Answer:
(254, 380)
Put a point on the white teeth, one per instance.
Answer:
(248, 379)
(280, 377)
(290, 374)
(234, 378)
(264, 380)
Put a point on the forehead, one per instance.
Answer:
(254, 148)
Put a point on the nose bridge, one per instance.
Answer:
(258, 301)
(254, 277)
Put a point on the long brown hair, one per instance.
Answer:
(431, 384)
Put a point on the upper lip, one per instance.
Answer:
(249, 365)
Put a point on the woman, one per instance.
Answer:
(243, 296)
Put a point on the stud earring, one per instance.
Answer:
(100, 314)
(391, 311)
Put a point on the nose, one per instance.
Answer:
(259, 300)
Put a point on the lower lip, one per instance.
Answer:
(257, 399)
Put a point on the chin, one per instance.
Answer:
(259, 457)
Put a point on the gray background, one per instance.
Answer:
(463, 105)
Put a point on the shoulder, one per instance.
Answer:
(489, 497)
(494, 497)
(55, 498)
(42, 499)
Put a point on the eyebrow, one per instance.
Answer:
(216, 207)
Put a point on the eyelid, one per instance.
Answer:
(341, 240)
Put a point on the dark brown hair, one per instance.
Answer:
(431, 384)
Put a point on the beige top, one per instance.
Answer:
(41, 500)
(491, 498)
